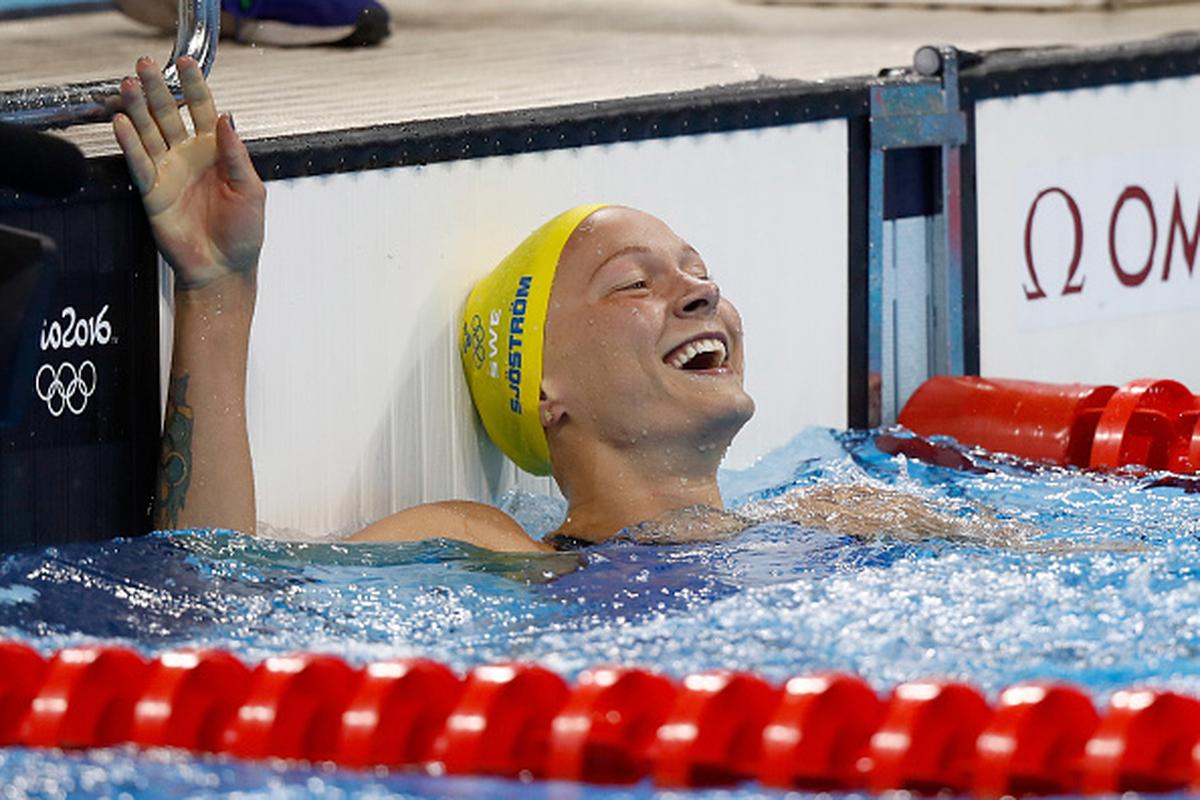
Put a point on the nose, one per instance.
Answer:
(699, 298)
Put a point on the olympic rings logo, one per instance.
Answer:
(65, 388)
(473, 340)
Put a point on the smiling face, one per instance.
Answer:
(640, 347)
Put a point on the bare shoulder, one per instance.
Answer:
(475, 523)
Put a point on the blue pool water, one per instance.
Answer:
(1102, 594)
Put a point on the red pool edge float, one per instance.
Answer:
(615, 725)
(1148, 423)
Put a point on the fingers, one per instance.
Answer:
(236, 166)
(198, 97)
(161, 102)
(141, 165)
(135, 107)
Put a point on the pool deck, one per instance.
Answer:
(476, 56)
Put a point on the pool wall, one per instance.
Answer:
(1088, 214)
(356, 406)
(365, 370)
(80, 464)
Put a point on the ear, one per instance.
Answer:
(551, 410)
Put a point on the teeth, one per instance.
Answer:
(692, 349)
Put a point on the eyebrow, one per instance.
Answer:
(624, 251)
(686, 250)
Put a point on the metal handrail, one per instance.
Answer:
(96, 101)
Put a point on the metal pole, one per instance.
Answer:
(96, 101)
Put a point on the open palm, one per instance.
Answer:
(202, 196)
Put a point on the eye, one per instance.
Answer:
(640, 283)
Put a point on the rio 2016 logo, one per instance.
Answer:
(66, 386)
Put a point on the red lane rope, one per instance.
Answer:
(1147, 422)
(615, 725)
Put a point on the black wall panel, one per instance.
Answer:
(80, 462)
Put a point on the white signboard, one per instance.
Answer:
(1089, 221)
(357, 403)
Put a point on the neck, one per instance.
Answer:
(609, 489)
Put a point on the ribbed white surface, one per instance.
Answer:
(982, 5)
(358, 407)
(469, 56)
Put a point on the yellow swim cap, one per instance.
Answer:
(503, 330)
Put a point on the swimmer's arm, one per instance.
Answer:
(870, 512)
(473, 523)
(205, 205)
(205, 475)
(862, 511)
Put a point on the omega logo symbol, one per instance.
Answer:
(1129, 272)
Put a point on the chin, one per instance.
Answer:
(743, 411)
(726, 417)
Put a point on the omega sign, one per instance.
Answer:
(65, 381)
(1105, 254)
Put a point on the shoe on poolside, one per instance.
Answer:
(294, 23)
(284, 23)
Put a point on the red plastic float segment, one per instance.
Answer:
(22, 670)
(927, 740)
(86, 698)
(1034, 741)
(293, 709)
(501, 725)
(819, 733)
(713, 735)
(1194, 448)
(1138, 425)
(604, 733)
(189, 700)
(1144, 744)
(397, 712)
(1038, 421)
(1185, 446)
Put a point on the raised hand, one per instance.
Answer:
(203, 197)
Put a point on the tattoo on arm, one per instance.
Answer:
(175, 462)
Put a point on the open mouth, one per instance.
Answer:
(698, 355)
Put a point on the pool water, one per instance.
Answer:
(1103, 595)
